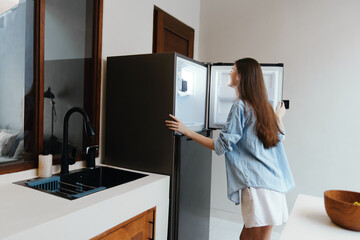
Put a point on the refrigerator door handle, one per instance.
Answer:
(287, 104)
(208, 132)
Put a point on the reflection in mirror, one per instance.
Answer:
(68, 52)
(16, 82)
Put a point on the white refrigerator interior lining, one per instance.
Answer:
(190, 93)
(222, 96)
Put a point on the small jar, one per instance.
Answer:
(45, 165)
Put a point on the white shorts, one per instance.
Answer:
(263, 207)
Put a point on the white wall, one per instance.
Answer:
(128, 29)
(128, 24)
(318, 42)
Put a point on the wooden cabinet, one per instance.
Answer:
(140, 227)
(172, 35)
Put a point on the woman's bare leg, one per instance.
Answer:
(245, 234)
(256, 233)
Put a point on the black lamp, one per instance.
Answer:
(49, 94)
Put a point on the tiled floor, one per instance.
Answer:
(221, 229)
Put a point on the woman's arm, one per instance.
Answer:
(178, 126)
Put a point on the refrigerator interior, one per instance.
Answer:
(273, 78)
(222, 96)
(190, 97)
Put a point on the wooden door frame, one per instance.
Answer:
(39, 53)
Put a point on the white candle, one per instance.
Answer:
(45, 165)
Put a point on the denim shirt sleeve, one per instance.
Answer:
(232, 131)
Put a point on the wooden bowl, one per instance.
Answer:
(341, 210)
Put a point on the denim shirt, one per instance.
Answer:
(248, 163)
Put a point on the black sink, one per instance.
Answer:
(82, 182)
(100, 177)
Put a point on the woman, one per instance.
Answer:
(256, 163)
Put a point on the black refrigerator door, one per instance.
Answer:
(139, 97)
(193, 177)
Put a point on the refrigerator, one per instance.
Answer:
(141, 92)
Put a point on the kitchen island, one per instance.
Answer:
(308, 220)
(31, 214)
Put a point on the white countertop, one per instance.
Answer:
(26, 213)
(308, 220)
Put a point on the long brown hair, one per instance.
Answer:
(251, 89)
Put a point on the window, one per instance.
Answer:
(31, 57)
(17, 98)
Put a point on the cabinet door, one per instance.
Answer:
(172, 35)
(140, 227)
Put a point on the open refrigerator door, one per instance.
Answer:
(221, 96)
(190, 102)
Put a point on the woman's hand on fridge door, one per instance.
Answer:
(177, 125)
(280, 110)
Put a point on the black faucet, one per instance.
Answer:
(90, 156)
(89, 130)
